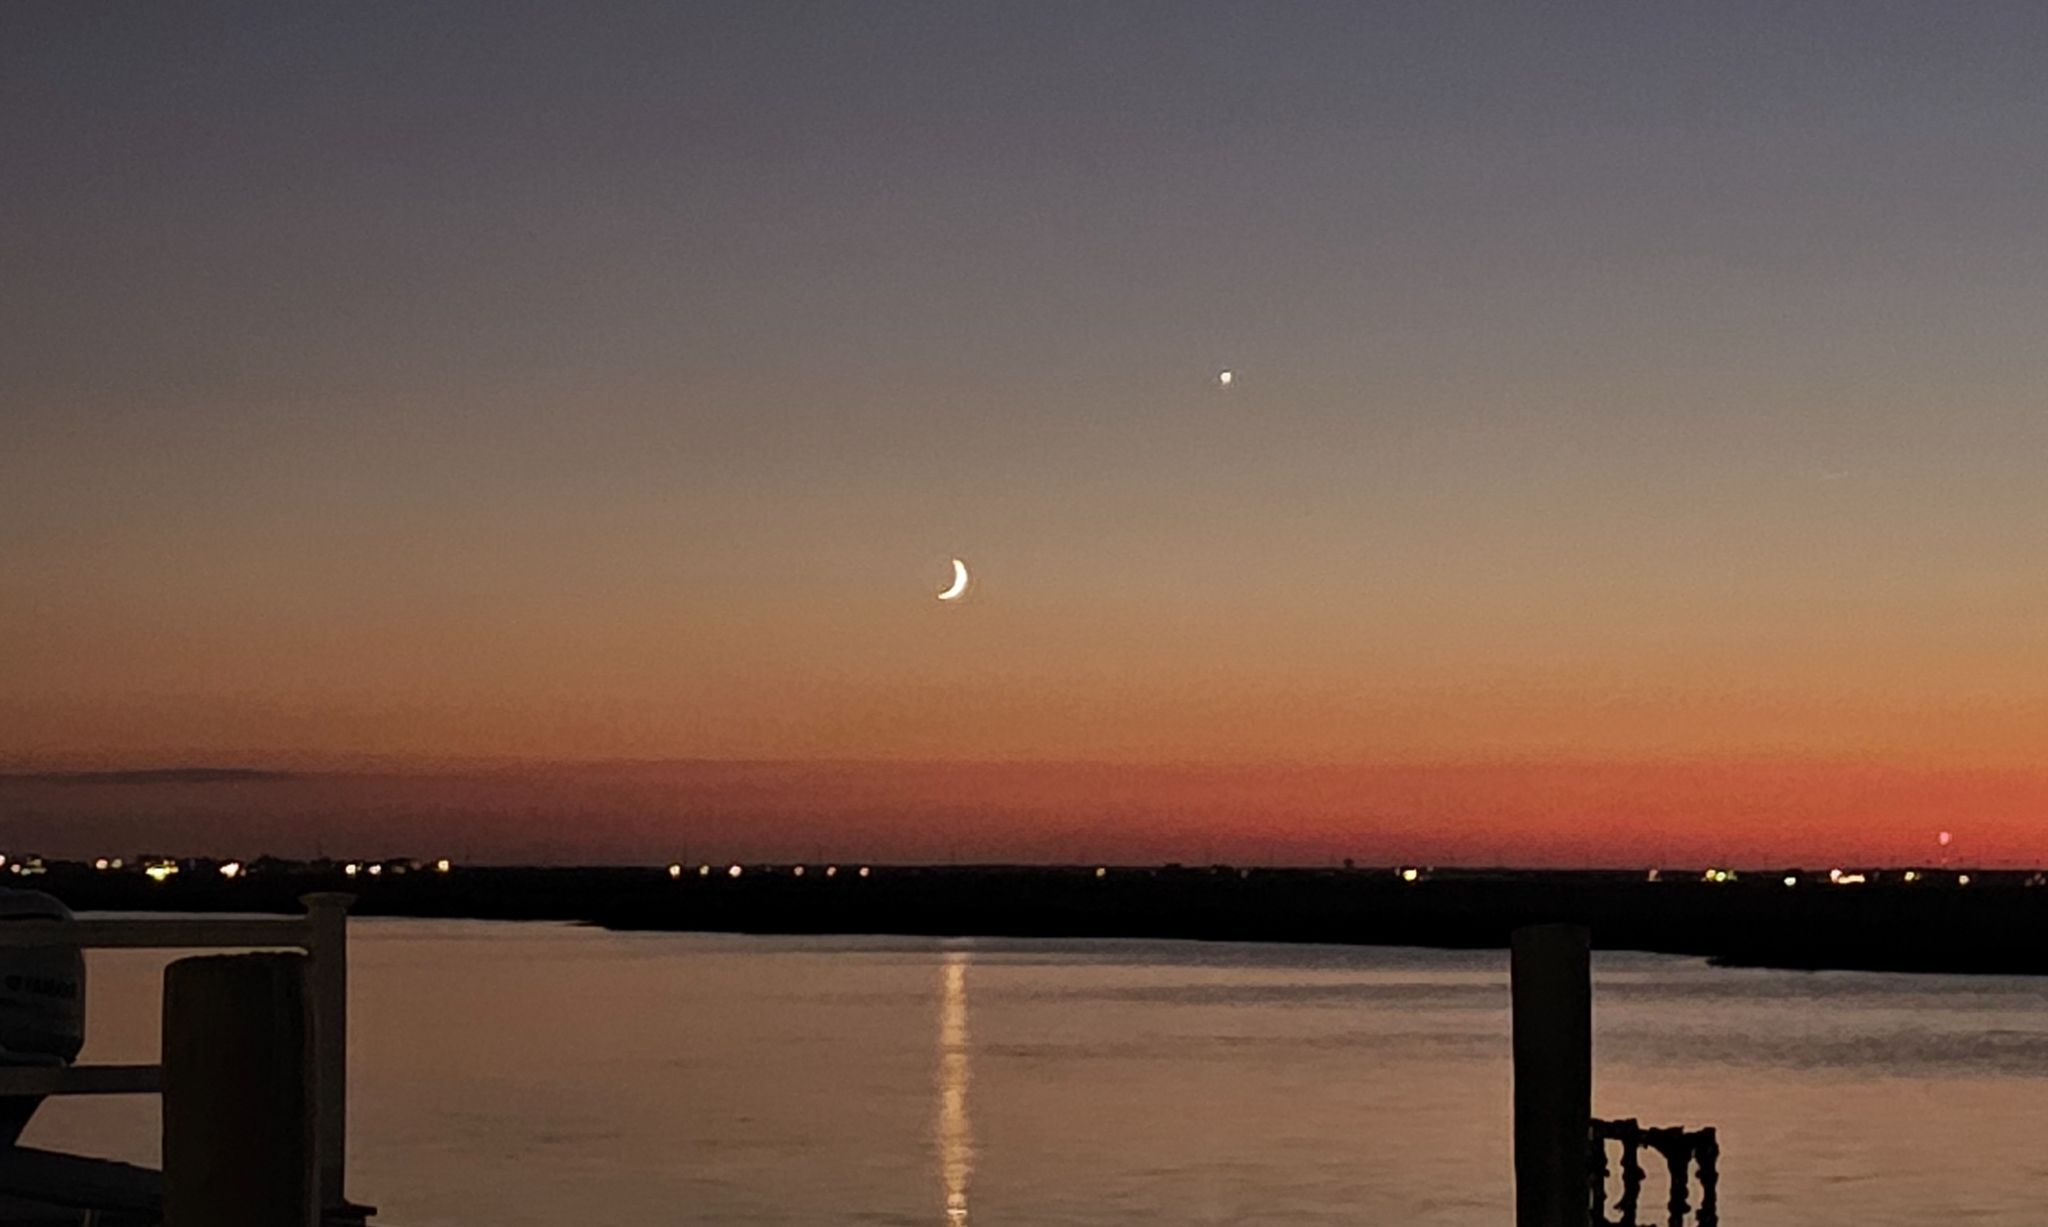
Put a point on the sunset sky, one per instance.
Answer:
(1636, 448)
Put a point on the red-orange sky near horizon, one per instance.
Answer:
(1633, 447)
(1749, 815)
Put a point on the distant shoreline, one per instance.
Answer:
(1935, 923)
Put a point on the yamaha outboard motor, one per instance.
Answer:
(42, 1003)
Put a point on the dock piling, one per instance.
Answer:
(1552, 991)
(327, 914)
(238, 1140)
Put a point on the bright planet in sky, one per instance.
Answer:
(1226, 378)
(958, 588)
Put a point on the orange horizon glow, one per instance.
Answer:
(1036, 721)
(1373, 431)
(1558, 814)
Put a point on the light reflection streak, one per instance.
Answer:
(955, 1131)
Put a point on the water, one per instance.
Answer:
(510, 1074)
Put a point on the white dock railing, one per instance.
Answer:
(322, 933)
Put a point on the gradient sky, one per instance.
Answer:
(1618, 385)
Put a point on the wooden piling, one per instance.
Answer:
(327, 916)
(1552, 989)
(238, 1142)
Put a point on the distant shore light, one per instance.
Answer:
(675, 871)
(733, 871)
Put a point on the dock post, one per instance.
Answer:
(327, 911)
(1551, 975)
(237, 1118)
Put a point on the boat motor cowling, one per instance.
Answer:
(42, 1003)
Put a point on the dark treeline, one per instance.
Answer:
(1991, 923)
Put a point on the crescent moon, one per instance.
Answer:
(959, 587)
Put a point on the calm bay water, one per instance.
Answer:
(512, 1074)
